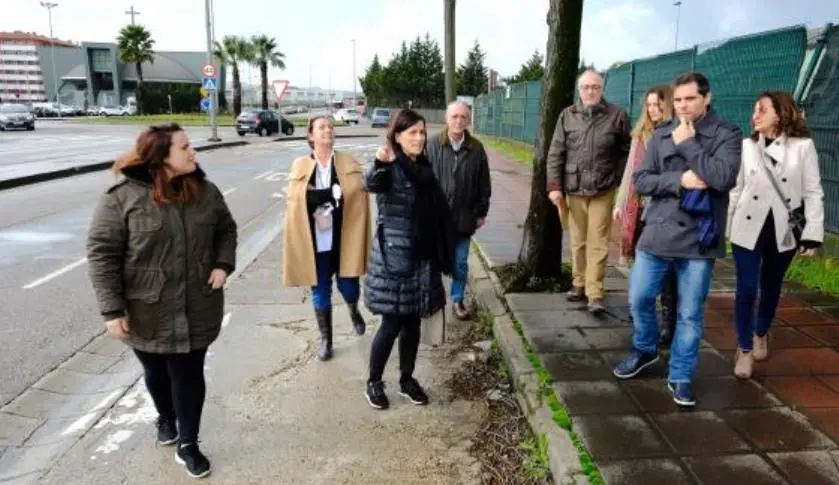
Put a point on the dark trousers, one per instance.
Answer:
(176, 384)
(762, 268)
(407, 328)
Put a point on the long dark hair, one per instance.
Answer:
(403, 120)
(791, 121)
(151, 149)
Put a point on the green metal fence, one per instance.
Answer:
(738, 68)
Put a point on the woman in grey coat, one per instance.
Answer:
(412, 248)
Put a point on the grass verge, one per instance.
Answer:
(516, 150)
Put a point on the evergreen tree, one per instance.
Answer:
(472, 76)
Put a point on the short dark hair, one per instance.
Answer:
(703, 86)
(311, 128)
(403, 120)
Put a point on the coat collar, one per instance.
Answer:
(443, 138)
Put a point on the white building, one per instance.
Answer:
(21, 75)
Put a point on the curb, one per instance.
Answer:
(563, 456)
(343, 135)
(93, 167)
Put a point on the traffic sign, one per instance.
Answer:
(209, 70)
(205, 104)
(209, 83)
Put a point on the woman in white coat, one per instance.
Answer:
(762, 240)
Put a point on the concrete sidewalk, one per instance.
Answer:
(781, 427)
(275, 414)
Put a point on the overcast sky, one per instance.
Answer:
(316, 36)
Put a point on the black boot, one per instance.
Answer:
(357, 320)
(668, 310)
(325, 327)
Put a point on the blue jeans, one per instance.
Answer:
(461, 268)
(765, 267)
(322, 293)
(693, 280)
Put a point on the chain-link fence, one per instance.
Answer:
(738, 69)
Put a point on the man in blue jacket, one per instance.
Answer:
(696, 152)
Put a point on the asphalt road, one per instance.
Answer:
(48, 310)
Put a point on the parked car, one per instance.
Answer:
(347, 116)
(115, 110)
(263, 122)
(16, 116)
(380, 117)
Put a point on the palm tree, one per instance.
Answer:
(231, 51)
(135, 45)
(265, 54)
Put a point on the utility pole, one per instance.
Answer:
(678, 6)
(213, 96)
(354, 92)
(451, 89)
(132, 13)
(49, 6)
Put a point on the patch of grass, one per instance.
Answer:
(817, 272)
(536, 464)
(516, 150)
(558, 412)
(516, 278)
(184, 119)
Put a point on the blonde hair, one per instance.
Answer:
(645, 126)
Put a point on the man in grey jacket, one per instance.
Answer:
(693, 158)
(460, 164)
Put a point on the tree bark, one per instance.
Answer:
(237, 90)
(541, 249)
(139, 94)
(263, 70)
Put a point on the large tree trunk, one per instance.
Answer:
(139, 94)
(541, 248)
(237, 90)
(263, 71)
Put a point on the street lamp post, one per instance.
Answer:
(678, 6)
(49, 6)
(213, 96)
(354, 92)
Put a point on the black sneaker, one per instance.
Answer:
(411, 389)
(376, 395)
(682, 394)
(167, 432)
(634, 363)
(197, 465)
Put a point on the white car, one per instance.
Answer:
(347, 116)
(114, 110)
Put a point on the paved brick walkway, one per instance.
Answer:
(780, 427)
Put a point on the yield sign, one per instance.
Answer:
(280, 88)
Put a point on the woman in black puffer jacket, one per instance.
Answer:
(412, 248)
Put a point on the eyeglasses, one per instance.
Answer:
(591, 87)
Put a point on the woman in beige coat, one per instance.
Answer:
(326, 228)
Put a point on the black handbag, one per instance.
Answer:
(796, 218)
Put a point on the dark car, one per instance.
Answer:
(16, 116)
(263, 122)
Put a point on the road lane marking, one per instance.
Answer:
(55, 274)
(277, 195)
(277, 177)
(226, 319)
(260, 176)
(228, 191)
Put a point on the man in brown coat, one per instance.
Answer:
(585, 162)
